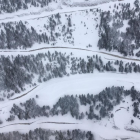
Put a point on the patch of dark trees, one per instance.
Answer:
(42, 134)
(32, 110)
(112, 38)
(100, 105)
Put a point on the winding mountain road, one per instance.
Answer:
(47, 48)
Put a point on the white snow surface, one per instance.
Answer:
(50, 91)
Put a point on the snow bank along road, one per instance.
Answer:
(72, 48)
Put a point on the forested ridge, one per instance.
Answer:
(101, 105)
(19, 71)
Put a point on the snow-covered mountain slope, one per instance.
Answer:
(108, 27)
(39, 66)
(71, 73)
(48, 95)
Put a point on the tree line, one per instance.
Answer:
(112, 37)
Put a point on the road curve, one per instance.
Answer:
(47, 48)
(24, 94)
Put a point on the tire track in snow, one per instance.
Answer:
(18, 124)
(24, 94)
(38, 123)
(116, 139)
(58, 123)
(3, 107)
(47, 48)
(125, 81)
(117, 56)
(110, 59)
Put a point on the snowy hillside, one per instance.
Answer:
(111, 27)
(69, 70)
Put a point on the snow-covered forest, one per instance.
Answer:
(69, 70)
